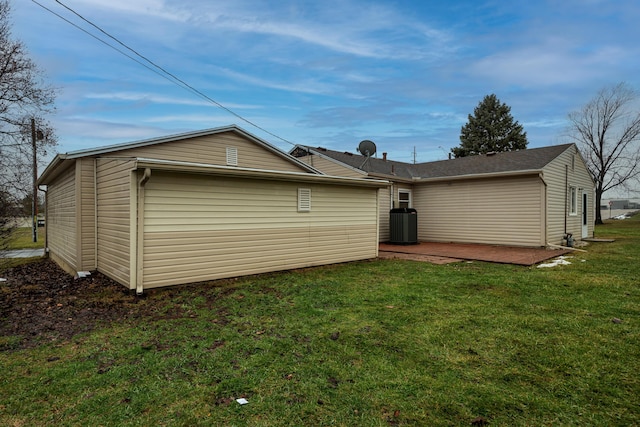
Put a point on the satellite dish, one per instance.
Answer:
(367, 148)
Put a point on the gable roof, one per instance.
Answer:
(508, 161)
(372, 165)
(533, 159)
(68, 158)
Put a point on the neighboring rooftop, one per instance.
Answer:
(508, 161)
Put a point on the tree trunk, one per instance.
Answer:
(598, 203)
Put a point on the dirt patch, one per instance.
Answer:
(41, 303)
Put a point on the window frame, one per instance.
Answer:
(409, 200)
(573, 201)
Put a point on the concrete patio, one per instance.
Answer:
(443, 253)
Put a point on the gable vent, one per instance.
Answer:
(232, 156)
(304, 199)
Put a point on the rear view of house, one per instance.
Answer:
(202, 205)
(532, 197)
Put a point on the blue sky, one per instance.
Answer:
(329, 73)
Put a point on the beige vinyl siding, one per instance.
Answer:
(212, 149)
(397, 188)
(565, 171)
(332, 168)
(507, 211)
(61, 218)
(384, 198)
(113, 177)
(86, 211)
(201, 228)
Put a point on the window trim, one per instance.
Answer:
(573, 201)
(406, 191)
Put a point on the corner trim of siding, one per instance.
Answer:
(139, 231)
(133, 241)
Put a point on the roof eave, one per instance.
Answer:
(59, 163)
(480, 176)
(52, 169)
(233, 171)
(394, 178)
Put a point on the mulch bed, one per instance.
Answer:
(40, 303)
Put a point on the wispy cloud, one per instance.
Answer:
(332, 72)
(347, 27)
(144, 97)
(199, 119)
(148, 8)
(552, 62)
(309, 86)
(161, 99)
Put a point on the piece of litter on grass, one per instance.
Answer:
(242, 401)
(83, 274)
(2, 280)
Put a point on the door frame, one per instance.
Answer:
(585, 215)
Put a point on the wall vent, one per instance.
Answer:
(232, 156)
(304, 199)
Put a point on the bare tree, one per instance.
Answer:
(607, 133)
(24, 99)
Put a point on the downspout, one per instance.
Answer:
(545, 217)
(377, 220)
(95, 213)
(566, 196)
(391, 196)
(46, 221)
(140, 230)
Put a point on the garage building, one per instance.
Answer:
(199, 206)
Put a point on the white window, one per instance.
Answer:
(304, 199)
(232, 156)
(404, 198)
(573, 201)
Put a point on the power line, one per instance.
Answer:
(100, 40)
(157, 69)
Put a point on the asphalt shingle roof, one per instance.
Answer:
(509, 161)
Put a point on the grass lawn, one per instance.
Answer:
(22, 238)
(375, 343)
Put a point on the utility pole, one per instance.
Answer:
(34, 202)
(414, 154)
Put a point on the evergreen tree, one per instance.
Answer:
(490, 129)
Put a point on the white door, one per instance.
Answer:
(585, 216)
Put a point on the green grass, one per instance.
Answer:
(376, 343)
(22, 238)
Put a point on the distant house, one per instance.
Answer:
(532, 197)
(199, 206)
(622, 204)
